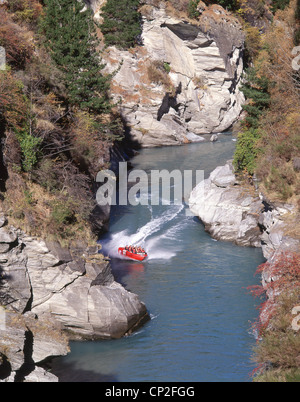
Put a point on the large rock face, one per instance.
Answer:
(203, 66)
(27, 341)
(274, 226)
(78, 290)
(48, 291)
(228, 211)
(237, 213)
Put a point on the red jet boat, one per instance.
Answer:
(132, 256)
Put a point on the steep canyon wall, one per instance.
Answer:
(184, 80)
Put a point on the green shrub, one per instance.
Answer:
(28, 196)
(167, 67)
(246, 151)
(30, 147)
(192, 9)
(46, 175)
(256, 90)
(25, 10)
(62, 213)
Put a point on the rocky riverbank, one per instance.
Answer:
(51, 294)
(232, 211)
(181, 83)
(228, 211)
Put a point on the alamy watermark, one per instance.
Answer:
(2, 319)
(2, 58)
(138, 187)
(296, 60)
(296, 320)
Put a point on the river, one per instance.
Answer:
(193, 286)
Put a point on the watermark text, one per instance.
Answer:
(138, 187)
(296, 320)
(2, 58)
(2, 319)
(296, 60)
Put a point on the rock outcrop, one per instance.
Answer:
(234, 212)
(199, 66)
(27, 341)
(228, 211)
(273, 225)
(76, 287)
(48, 291)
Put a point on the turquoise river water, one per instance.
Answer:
(193, 286)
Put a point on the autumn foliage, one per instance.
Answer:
(279, 343)
(283, 272)
(12, 101)
(27, 11)
(50, 147)
(14, 40)
(284, 269)
(269, 141)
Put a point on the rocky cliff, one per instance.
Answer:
(232, 211)
(47, 292)
(235, 212)
(183, 81)
(229, 211)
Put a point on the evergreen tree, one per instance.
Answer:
(279, 5)
(256, 90)
(71, 36)
(121, 23)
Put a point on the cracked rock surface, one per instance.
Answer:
(48, 292)
(205, 65)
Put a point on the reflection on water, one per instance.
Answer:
(194, 288)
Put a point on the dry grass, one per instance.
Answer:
(158, 74)
(292, 225)
(29, 207)
(279, 375)
(284, 190)
(212, 14)
(280, 344)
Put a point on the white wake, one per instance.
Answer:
(151, 237)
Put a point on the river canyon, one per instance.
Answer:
(193, 286)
